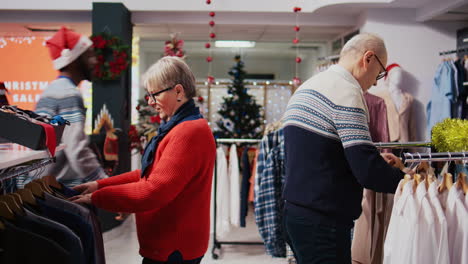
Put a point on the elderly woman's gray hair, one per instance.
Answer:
(170, 71)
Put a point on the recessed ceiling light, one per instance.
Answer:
(234, 44)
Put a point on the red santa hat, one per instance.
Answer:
(66, 46)
(389, 67)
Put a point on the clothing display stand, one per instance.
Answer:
(216, 243)
(440, 156)
(17, 162)
(398, 145)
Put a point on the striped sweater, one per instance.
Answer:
(77, 163)
(329, 153)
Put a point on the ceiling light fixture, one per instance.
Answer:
(234, 44)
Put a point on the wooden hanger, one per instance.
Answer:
(418, 178)
(44, 186)
(36, 189)
(6, 212)
(52, 181)
(447, 182)
(17, 198)
(27, 196)
(406, 179)
(461, 182)
(10, 201)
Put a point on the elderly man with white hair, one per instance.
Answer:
(330, 156)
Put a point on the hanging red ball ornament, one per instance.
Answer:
(212, 35)
(295, 40)
(210, 79)
(296, 28)
(207, 45)
(211, 23)
(212, 14)
(296, 81)
(209, 59)
(298, 59)
(200, 99)
(297, 9)
(208, 2)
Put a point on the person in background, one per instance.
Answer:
(330, 156)
(170, 195)
(73, 56)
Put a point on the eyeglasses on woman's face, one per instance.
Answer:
(156, 94)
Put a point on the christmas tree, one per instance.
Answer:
(148, 123)
(240, 113)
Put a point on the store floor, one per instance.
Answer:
(121, 246)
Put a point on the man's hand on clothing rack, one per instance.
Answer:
(86, 188)
(393, 160)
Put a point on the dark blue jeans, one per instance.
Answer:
(317, 242)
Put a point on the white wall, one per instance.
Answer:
(415, 46)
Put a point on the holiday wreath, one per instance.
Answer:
(112, 56)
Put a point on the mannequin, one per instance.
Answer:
(393, 81)
(401, 125)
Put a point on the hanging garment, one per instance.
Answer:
(87, 216)
(268, 188)
(245, 186)
(399, 243)
(378, 123)
(457, 233)
(223, 193)
(363, 227)
(234, 183)
(461, 104)
(401, 123)
(253, 176)
(54, 231)
(425, 241)
(21, 246)
(440, 226)
(440, 105)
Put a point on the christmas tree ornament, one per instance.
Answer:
(296, 28)
(450, 135)
(297, 9)
(207, 45)
(209, 59)
(212, 35)
(210, 79)
(211, 23)
(298, 60)
(208, 2)
(295, 40)
(297, 81)
(212, 14)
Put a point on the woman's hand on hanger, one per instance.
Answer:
(86, 188)
(82, 199)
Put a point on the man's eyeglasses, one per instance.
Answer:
(382, 74)
(155, 94)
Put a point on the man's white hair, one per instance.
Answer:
(363, 42)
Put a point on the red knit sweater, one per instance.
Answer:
(171, 204)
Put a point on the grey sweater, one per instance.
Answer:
(77, 163)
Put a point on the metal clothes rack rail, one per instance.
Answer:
(440, 156)
(448, 52)
(216, 243)
(397, 145)
(24, 168)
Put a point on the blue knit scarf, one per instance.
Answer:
(186, 112)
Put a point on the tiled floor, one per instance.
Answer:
(121, 246)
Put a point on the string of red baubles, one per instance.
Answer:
(296, 80)
(212, 36)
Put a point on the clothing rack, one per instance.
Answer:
(424, 144)
(448, 52)
(216, 243)
(441, 156)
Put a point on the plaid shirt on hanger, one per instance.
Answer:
(268, 193)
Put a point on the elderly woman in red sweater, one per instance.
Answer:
(170, 195)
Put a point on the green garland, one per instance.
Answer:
(450, 135)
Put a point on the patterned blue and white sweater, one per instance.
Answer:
(328, 149)
(77, 163)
